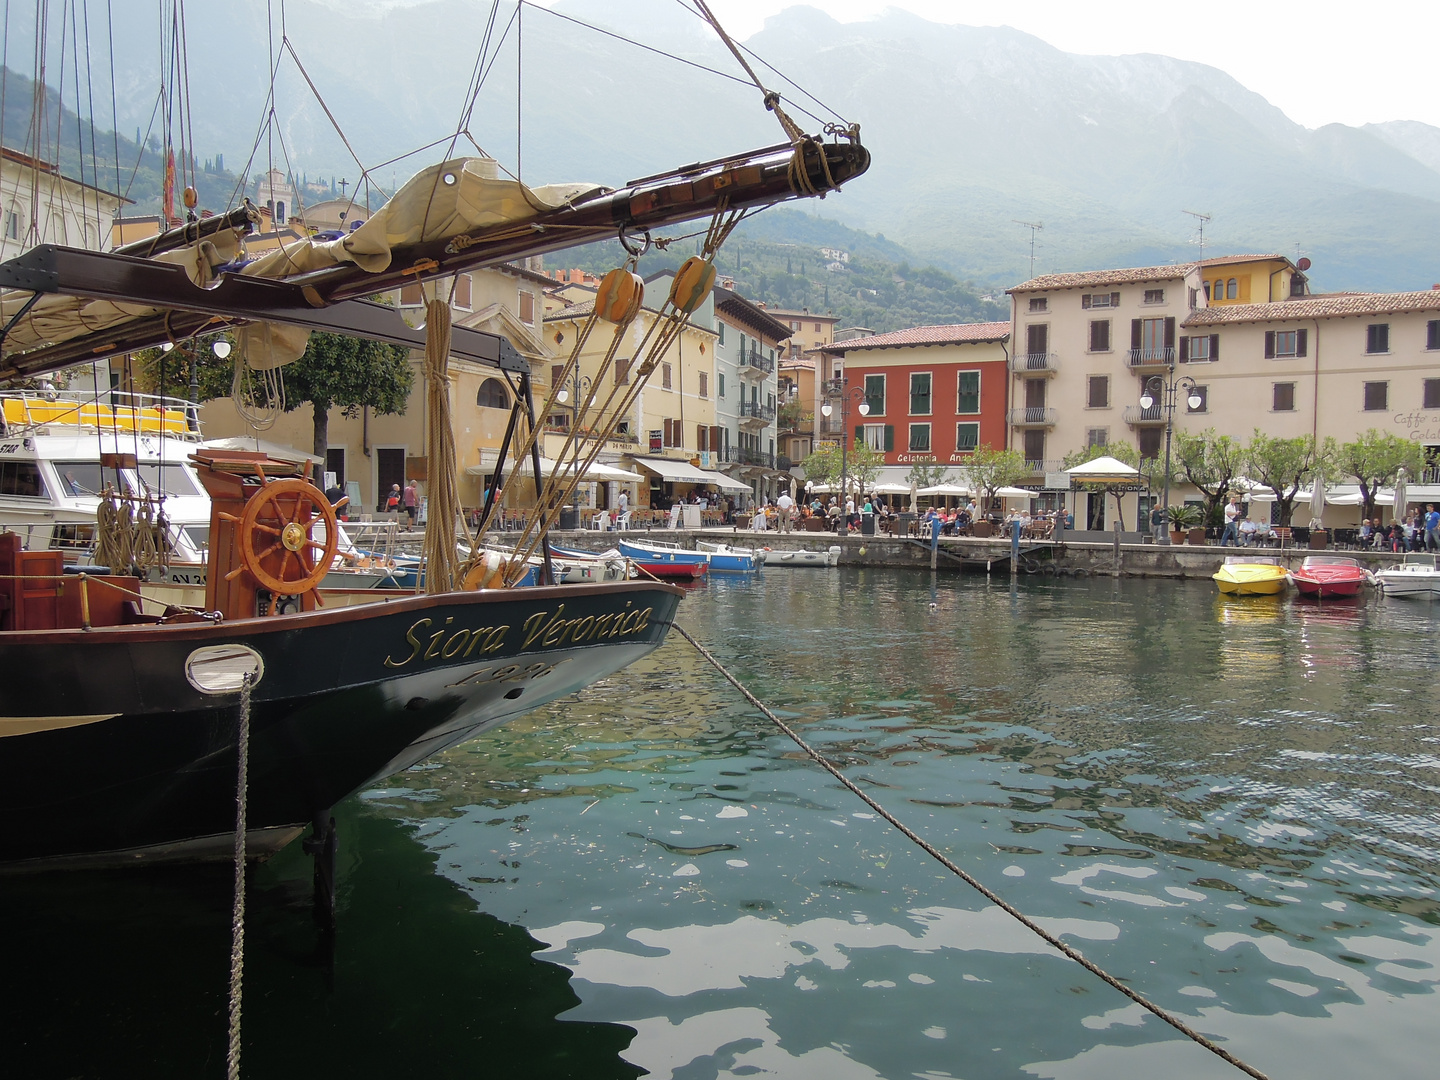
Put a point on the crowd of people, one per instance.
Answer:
(1416, 531)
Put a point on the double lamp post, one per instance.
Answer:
(1157, 385)
(839, 390)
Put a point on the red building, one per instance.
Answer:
(935, 392)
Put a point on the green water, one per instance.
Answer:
(1230, 804)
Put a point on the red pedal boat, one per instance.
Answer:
(1324, 576)
(684, 571)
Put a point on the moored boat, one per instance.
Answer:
(658, 552)
(1324, 576)
(1416, 577)
(1244, 575)
(730, 560)
(828, 557)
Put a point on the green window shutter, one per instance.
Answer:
(859, 432)
(889, 437)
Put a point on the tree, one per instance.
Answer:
(168, 373)
(1284, 466)
(1210, 462)
(350, 373)
(1117, 488)
(1374, 460)
(864, 463)
(822, 465)
(928, 473)
(990, 469)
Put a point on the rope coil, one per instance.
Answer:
(949, 864)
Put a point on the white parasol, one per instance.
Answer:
(1317, 501)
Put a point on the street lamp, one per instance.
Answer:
(1156, 385)
(583, 387)
(839, 389)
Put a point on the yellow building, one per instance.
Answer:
(1252, 279)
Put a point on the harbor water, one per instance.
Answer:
(1231, 804)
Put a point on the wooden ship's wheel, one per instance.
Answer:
(277, 546)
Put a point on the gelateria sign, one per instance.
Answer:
(1421, 426)
(426, 642)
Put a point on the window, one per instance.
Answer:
(12, 225)
(665, 377)
(492, 395)
(1203, 393)
(1432, 334)
(527, 307)
(794, 325)
(1200, 350)
(920, 397)
(1207, 290)
(1098, 392)
(874, 436)
(1034, 446)
(411, 296)
(1037, 339)
(1096, 436)
(1283, 344)
(967, 436)
(1377, 396)
(673, 435)
(557, 371)
(1150, 442)
(1284, 397)
(969, 393)
(1100, 300)
(817, 328)
(622, 371)
(1431, 397)
(719, 384)
(704, 384)
(1039, 303)
(875, 394)
(1151, 340)
(462, 291)
(1100, 335)
(1377, 338)
(1154, 296)
(1232, 289)
(919, 437)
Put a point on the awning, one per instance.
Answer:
(261, 446)
(597, 471)
(682, 472)
(1103, 470)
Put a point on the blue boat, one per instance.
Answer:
(653, 552)
(730, 560)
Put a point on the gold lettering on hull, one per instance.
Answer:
(426, 642)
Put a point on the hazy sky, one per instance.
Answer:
(1321, 63)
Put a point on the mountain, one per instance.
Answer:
(971, 128)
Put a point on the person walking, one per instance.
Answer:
(785, 504)
(1157, 523)
(1231, 535)
(392, 501)
(1432, 528)
(411, 500)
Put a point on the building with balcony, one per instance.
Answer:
(749, 344)
(935, 393)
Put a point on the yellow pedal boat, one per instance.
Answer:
(1248, 576)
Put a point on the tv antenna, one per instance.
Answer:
(1034, 227)
(1200, 220)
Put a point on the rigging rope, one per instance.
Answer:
(237, 914)
(949, 864)
(444, 498)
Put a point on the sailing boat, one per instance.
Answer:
(118, 725)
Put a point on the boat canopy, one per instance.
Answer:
(596, 470)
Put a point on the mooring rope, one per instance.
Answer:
(1009, 909)
(237, 915)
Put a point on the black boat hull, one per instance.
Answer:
(110, 754)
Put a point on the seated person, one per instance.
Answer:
(1247, 532)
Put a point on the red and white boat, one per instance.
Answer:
(1324, 576)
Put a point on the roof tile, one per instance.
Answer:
(953, 334)
(1318, 307)
(1082, 279)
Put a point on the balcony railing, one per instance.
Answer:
(737, 456)
(1040, 466)
(1035, 363)
(1430, 475)
(1139, 416)
(756, 410)
(1150, 358)
(1032, 417)
(756, 361)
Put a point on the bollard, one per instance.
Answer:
(934, 542)
(1014, 547)
(1117, 547)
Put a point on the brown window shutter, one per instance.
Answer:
(1114, 299)
(1214, 346)
(1134, 333)
(1302, 340)
(1085, 300)
(1269, 344)
(1170, 333)
(1184, 350)
(715, 439)
(702, 437)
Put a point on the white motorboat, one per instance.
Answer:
(828, 557)
(1417, 576)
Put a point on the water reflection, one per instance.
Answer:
(1232, 802)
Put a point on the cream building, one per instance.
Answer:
(41, 206)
